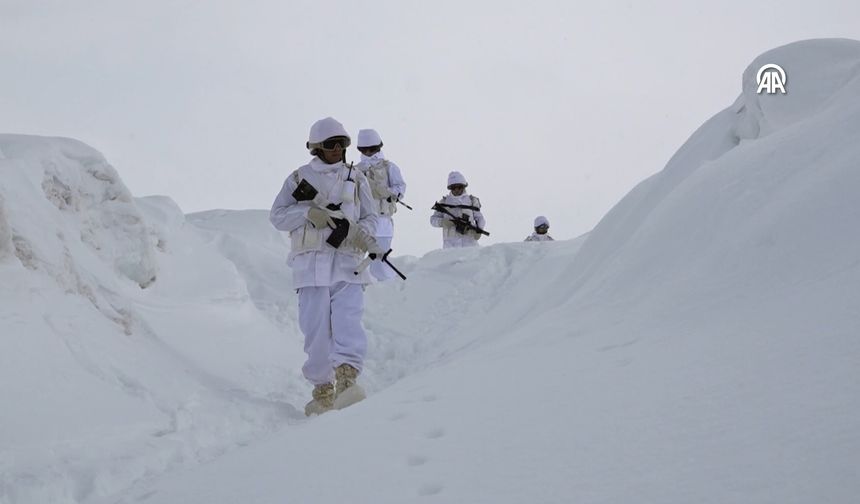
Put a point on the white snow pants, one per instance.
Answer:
(379, 269)
(330, 318)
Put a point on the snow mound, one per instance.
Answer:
(257, 251)
(70, 215)
(820, 75)
(751, 216)
(128, 343)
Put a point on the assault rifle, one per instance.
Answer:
(461, 223)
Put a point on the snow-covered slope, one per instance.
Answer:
(700, 345)
(761, 197)
(127, 344)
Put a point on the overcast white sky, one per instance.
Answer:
(548, 107)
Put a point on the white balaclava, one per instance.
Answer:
(368, 138)
(541, 220)
(456, 177)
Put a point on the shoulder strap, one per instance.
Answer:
(387, 166)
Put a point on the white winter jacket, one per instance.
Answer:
(388, 174)
(315, 262)
(535, 237)
(471, 207)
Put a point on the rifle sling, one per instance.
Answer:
(464, 207)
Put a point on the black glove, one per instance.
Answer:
(339, 233)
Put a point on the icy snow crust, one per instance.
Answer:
(699, 345)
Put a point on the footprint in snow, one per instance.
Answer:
(435, 434)
(416, 460)
(430, 489)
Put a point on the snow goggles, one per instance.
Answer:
(370, 149)
(330, 144)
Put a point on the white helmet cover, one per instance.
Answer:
(540, 220)
(456, 177)
(368, 138)
(324, 129)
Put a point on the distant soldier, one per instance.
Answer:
(387, 187)
(459, 215)
(541, 229)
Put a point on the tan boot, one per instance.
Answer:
(348, 392)
(323, 400)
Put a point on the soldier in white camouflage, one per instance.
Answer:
(541, 232)
(387, 186)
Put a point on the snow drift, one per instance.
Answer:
(70, 203)
(760, 198)
(119, 331)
